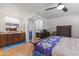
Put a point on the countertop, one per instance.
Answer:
(12, 32)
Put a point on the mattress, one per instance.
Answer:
(66, 47)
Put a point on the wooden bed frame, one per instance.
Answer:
(64, 30)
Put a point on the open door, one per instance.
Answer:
(31, 30)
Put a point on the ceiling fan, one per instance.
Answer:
(59, 6)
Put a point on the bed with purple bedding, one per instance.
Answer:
(46, 46)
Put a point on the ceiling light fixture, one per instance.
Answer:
(60, 6)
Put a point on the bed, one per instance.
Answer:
(60, 45)
(66, 47)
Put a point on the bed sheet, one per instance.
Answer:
(66, 47)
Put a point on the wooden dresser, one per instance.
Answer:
(11, 38)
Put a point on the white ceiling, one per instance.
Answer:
(39, 8)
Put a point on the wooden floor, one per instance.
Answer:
(23, 50)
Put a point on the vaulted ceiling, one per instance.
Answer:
(39, 9)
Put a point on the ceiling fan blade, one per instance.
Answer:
(60, 3)
(65, 9)
(51, 8)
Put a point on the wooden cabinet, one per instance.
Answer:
(21, 37)
(16, 38)
(3, 40)
(8, 39)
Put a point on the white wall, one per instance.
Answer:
(13, 10)
(4, 20)
(66, 20)
(2, 24)
(45, 22)
(32, 26)
(24, 27)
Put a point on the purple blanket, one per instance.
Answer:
(45, 46)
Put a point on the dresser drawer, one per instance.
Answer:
(3, 44)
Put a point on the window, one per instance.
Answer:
(39, 24)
